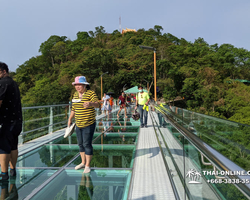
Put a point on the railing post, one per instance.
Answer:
(51, 120)
(51, 150)
(69, 110)
(20, 138)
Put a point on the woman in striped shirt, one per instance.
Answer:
(84, 103)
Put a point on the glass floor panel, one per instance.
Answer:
(114, 138)
(110, 156)
(119, 129)
(128, 121)
(68, 140)
(114, 115)
(114, 119)
(99, 185)
(120, 118)
(33, 168)
(113, 123)
(48, 156)
(24, 183)
(71, 139)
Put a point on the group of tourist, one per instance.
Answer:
(84, 103)
(124, 101)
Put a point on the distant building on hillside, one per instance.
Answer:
(128, 30)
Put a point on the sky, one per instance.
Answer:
(26, 24)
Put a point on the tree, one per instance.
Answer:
(202, 74)
(58, 52)
(45, 47)
(158, 29)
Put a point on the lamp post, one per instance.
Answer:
(101, 82)
(152, 49)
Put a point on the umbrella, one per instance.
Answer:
(110, 93)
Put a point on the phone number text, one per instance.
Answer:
(229, 181)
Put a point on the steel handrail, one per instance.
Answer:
(232, 123)
(24, 133)
(48, 106)
(221, 162)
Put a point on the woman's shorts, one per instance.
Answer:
(107, 107)
(122, 106)
(9, 137)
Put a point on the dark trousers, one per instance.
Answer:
(143, 114)
(84, 138)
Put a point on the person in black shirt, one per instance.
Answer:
(10, 122)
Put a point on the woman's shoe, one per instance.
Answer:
(86, 170)
(79, 166)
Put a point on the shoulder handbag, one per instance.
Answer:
(136, 116)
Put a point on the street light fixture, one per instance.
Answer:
(101, 82)
(147, 47)
(152, 49)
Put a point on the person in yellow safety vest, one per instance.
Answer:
(142, 99)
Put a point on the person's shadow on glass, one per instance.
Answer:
(86, 187)
(9, 190)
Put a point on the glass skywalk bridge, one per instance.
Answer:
(193, 146)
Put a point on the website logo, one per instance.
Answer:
(194, 176)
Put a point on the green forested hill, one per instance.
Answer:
(201, 73)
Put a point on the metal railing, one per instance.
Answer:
(42, 120)
(181, 129)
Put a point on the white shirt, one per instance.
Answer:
(105, 99)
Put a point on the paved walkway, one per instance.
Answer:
(150, 180)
